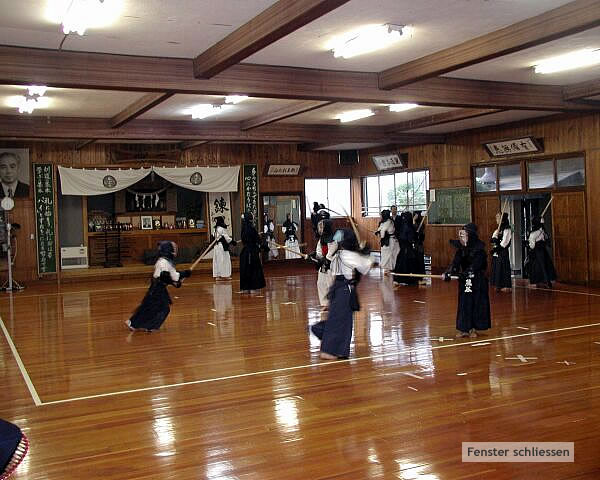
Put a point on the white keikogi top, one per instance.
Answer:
(345, 261)
(387, 226)
(506, 236)
(538, 235)
(163, 265)
(221, 232)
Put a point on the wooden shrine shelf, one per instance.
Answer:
(164, 231)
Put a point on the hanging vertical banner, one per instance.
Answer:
(251, 190)
(220, 206)
(44, 217)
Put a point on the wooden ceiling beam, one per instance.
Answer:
(26, 66)
(84, 143)
(591, 88)
(560, 22)
(85, 128)
(440, 118)
(274, 23)
(188, 145)
(312, 146)
(138, 107)
(282, 113)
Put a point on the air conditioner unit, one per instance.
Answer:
(73, 257)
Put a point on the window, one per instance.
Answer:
(510, 176)
(407, 190)
(540, 174)
(485, 179)
(334, 193)
(570, 172)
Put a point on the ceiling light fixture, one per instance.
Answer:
(352, 115)
(204, 110)
(367, 39)
(578, 59)
(233, 99)
(38, 90)
(402, 107)
(79, 15)
(27, 104)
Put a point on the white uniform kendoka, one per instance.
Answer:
(390, 252)
(221, 258)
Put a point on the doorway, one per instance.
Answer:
(522, 208)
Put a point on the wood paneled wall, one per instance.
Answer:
(449, 165)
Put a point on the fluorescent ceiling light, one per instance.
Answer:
(402, 107)
(39, 90)
(79, 15)
(204, 110)
(367, 39)
(27, 104)
(235, 98)
(352, 115)
(569, 61)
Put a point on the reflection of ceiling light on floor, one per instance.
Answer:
(79, 15)
(367, 39)
(233, 99)
(578, 59)
(402, 107)
(352, 115)
(39, 90)
(204, 110)
(27, 104)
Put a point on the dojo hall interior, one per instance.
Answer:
(124, 123)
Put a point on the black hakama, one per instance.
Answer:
(420, 253)
(336, 333)
(251, 271)
(540, 268)
(501, 272)
(473, 297)
(406, 262)
(155, 307)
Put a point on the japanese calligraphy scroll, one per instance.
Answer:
(44, 217)
(220, 206)
(251, 190)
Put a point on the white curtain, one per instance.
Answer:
(84, 181)
(202, 179)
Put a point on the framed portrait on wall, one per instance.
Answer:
(14, 172)
(146, 221)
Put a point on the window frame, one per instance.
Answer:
(524, 162)
(308, 208)
(363, 184)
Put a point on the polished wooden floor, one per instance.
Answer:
(232, 386)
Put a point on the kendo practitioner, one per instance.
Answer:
(347, 266)
(154, 309)
(13, 448)
(501, 240)
(419, 244)
(470, 263)
(290, 229)
(315, 218)
(388, 241)
(251, 271)
(325, 248)
(221, 257)
(269, 237)
(406, 259)
(540, 267)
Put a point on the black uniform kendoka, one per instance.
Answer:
(154, 308)
(501, 271)
(251, 271)
(539, 265)
(470, 263)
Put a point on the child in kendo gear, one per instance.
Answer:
(539, 265)
(347, 266)
(388, 241)
(221, 257)
(470, 263)
(155, 306)
(501, 270)
(290, 229)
